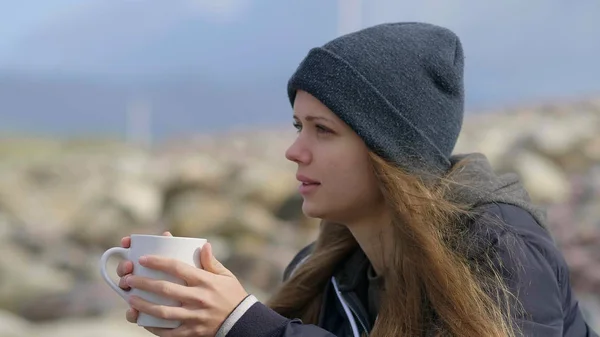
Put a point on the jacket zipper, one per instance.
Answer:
(355, 308)
(347, 310)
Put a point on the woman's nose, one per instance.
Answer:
(298, 152)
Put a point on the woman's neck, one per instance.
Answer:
(375, 237)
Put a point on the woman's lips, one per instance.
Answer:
(308, 188)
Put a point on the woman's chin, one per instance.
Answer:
(312, 211)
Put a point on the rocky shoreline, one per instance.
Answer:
(62, 203)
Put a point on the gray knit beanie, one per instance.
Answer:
(399, 86)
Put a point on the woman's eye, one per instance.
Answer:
(322, 129)
(319, 128)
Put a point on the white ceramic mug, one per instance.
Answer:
(180, 248)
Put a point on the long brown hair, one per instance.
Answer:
(431, 287)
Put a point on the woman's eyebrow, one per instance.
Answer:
(314, 118)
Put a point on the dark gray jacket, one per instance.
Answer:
(532, 264)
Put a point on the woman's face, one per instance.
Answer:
(338, 183)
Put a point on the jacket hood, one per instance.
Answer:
(476, 183)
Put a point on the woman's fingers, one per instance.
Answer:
(126, 242)
(161, 311)
(123, 285)
(125, 267)
(190, 274)
(165, 289)
(131, 315)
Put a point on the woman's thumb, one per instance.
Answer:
(210, 263)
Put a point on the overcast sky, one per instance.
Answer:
(516, 50)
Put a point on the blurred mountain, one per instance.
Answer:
(184, 104)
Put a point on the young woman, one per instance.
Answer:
(414, 241)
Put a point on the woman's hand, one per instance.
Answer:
(209, 296)
(124, 269)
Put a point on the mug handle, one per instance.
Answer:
(123, 252)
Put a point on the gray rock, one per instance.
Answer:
(113, 325)
(101, 223)
(23, 277)
(13, 325)
(194, 212)
(141, 199)
(544, 181)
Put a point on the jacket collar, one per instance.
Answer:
(352, 273)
